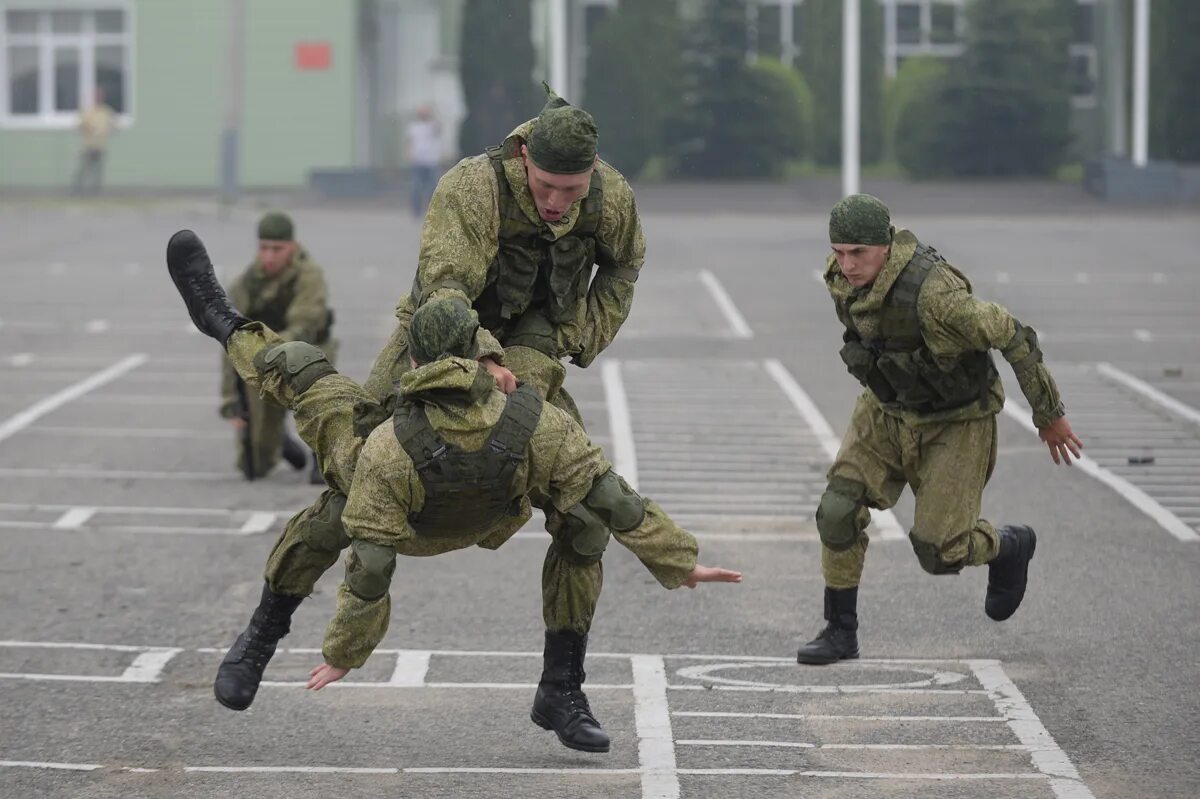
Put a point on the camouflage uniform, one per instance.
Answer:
(946, 456)
(295, 302)
(366, 463)
(459, 259)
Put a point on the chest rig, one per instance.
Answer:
(897, 366)
(467, 493)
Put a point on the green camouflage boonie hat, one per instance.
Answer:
(441, 328)
(860, 219)
(564, 137)
(276, 226)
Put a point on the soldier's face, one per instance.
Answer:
(554, 194)
(861, 263)
(275, 255)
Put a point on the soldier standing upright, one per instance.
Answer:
(920, 343)
(285, 289)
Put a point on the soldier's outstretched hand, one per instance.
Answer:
(1063, 443)
(324, 674)
(710, 574)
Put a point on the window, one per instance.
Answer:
(908, 23)
(943, 23)
(767, 29)
(53, 59)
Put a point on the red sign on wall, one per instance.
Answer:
(313, 55)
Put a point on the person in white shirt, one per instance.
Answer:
(424, 157)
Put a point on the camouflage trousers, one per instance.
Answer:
(326, 419)
(947, 464)
(266, 436)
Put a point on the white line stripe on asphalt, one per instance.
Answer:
(1150, 392)
(74, 518)
(1144, 336)
(656, 749)
(30, 415)
(890, 528)
(21, 359)
(148, 666)
(55, 766)
(1046, 755)
(737, 322)
(619, 422)
(858, 747)
(411, 667)
(66, 472)
(829, 717)
(1132, 494)
(257, 523)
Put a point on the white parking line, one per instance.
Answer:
(829, 717)
(656, 747)
(259, 522)
(889, 527)
(1144, 336)
(737, 322)
(74, 518)
(27, 417)
(1132, 494)
(1149, 391)
(411, 668)
(619, 421)
(21, 359)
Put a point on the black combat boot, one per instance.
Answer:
(839, 639)
(1009, 571)
(560, 704)
(242, 669)
(294, 452)
(190, 268)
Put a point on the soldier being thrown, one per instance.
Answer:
(542, 239)
(919, 342)
(452, 467)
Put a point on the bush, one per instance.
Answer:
(634, 80)
(1174, 78)
(1003, 108)
(821, 63)
(917, 76)
(737, 121)
(496, 68)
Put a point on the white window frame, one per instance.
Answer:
(47, 118)
(1087, 50)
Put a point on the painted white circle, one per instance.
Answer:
(934, 676)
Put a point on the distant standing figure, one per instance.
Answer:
(95, 126)
(425, 157)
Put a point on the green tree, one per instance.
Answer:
(496, 67)
(1175, 80)
(1004, 106)
(634, 80)
(821, 63)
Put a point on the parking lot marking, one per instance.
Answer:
(73, 519)
(55, 401)
(621, 428)
(1130, 492)
(259, 522)
(656, 747)
(737, 323)
(889, 527)
(1150, 392)
(411, 667)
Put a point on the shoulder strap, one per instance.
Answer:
(522, 411)
(416, 435)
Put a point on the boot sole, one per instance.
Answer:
(823, 662)
(541, 721)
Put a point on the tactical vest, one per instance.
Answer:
(532, 270)
(468, 493)
(273, 314)
(897, 366)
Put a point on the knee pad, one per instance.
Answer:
(610, 505)
(837, 514)
(300, 363)
(322, 530)
(369, 572)
(932, 559)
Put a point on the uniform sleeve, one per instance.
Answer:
(667, 550)
(622, 251)
(459, 240)
(308, 312)
(953, 323)
(376, 512)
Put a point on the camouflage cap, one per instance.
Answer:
(276, 226)
(441, 328)
(860, 219)
(564, 137)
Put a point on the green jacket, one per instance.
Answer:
(560, 461)
(953, 323)
(459, 242)
(295, 298)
